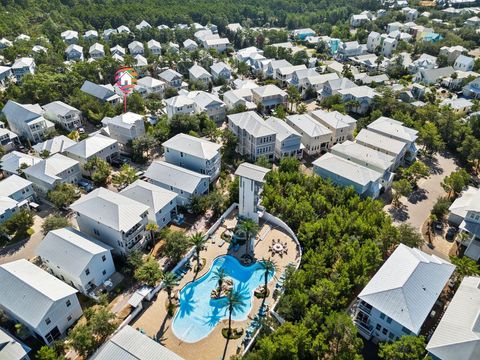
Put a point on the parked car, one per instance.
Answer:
(85, 185)
(118, 161)
(451, 232)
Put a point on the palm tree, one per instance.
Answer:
(269, 267)
(198, 240)
(153, 228)
(219, 275)
(464, 267)
(250, 228)
(235, 302)
(169, 282)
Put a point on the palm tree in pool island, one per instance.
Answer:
(198, 240)
(219, 275)
(234, 304)
(250, 228)
(269, 267)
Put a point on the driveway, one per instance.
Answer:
(416, 209)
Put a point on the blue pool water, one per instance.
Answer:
(198, 313)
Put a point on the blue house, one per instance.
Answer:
(302, 34)
(432, 37)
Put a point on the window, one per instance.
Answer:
(405, 330)
(382, 316)
(87, 271)
(96, 232)
(104, 258)
(47, 321)
(389, 320)
(104, 272)
(69, 303)
(391, 336)
(384, 331)
(378, 327)
(69, 318)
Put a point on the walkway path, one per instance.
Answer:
(417, 207)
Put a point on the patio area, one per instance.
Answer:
(155, 322)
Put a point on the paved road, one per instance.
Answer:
(416, 208)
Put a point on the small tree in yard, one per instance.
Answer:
(269, 267)
(125, 176)
(400, 188)
(440, 208)
(407, 348)
(250, 229)
(101, 323)
(234, 304)
(54, 222)
(455, 182)
(153, 229)
(409, 236)
(416, 171)
(82, 340)
(176, 244)
(18, 224)
(47, 353)
(148, 272)
(99, 170)
(464, 267)
(63, 195)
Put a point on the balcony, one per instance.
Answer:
(362, 306)
(364, 329)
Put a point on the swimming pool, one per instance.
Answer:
(198, 313)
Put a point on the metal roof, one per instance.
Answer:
(11, 348)
(70, 249)
(394, 128)
(49, 169)
(380, 141)
(282, 129)
(192, 145)
(59, 108)
(29, 292)
(12, 184)
(252, 171)
(111, 209)
(12, 161)
(252, 123)
(155, 197)
(362, 154)
(308, 125)
(407, 286)
(175, 176)
(57, 144)
(91, 146)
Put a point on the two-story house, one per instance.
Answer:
(220, 70)
(194, 153)
(255, 137)
(74, 52)
(154, 47)
(171, 78)
(198, 73)
(22, 67)
(125, 127)
(114, 219)
(57, 144)
(136, 48)
(15, 162)
(184, 182)
(269, 97)
(99, 146)
(180, 104)
(55, 170)
(27, 120)
(316, 137)
(96, 51)
(288, 142)
(104, 93)
(162, 203)
(77, 259)
(342, 126)
(400, 296)
(63, 114)
(8, 139)
(149, 85)
(43, 304)
(18, 189)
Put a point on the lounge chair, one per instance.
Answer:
(221, 243)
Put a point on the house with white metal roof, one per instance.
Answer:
(239, 97)
(63, 114)
(12, 348)
(288, 142)
(400, 296)
(255, 137)
(55, 170)
(316, 137)
(74, 52)
(123, 29)
(149, 85)
(131, 344)
(8, 139)
(57, 144)
(136, 48)
(77, 259)
(269, 97)
(219, 44)
(457, 336)
(114, 219)
(96, 51)
(118, 50)
(154, 47)
(45, 305)
(162, 203)
(192, 153)
(198, 73)
(125, 127)
(23, 66)
(27, 120)
(90, 35)
(220, 70)
(343, 172)
(382, 143)
(184, 182)
(96, 145)
(15, 162)
(342, 126)
(104, 93)
(171, 78)
(70, 36)
(8, 207)
(17, 188)
(190, 45)
(144, 25)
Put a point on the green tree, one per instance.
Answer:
(54, 222)
(125, 176)
(48, 353)
(148, 272)
(249, 228)
(341, 337)
(455, 182)
(63, 195)
(198, 240)
(82, 340)
(99, 170)
(18, 224)
(269, 267)
(293, 96)
(431, 138)
(219, 275)
(416, 171)
(263, 162)
(407, 347)
(169, 281)
(176, 245)
(101, 323)
(409, 236)
(235, 302)
(464, 267)
(400, 188)
(441, 207)
(143, 144)
(153, 229)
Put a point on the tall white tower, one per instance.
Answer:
(251, 184)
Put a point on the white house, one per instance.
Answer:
(77, 259)
(357, 20)
(125, 127)
(55, 170)
(63, 114)
(190, 45)
(27, 120)
(93, 146)
(342, 126)
(361, 96)
(219, 44)
(251, 182)
(104, 93)
(5, 75)
(18, 189)
(196, 154)
(255, 137)
(154, 47)
(136, 48)
(13, 162)
(107, 33)
(149, 85)
(45, 305)
(288, 142)
(171, 78)
(96, 51)
(315, 137)
(129, 343)
(185, 183)
(74, 52)
(373, 41)
(118, 50)
(382, 143)
(465, 213)
(389, 45)
(464, 63)
(91, 35)
(180, 104)
(456, 336)
(123, 29)
(343, 172)
(144, 25)
(401, 295)
(69, 36)
(8, 139)
(57, 144)
(238, 97)
(269, 97)
(198, 73)
(220, 70)
(114, 219)
(162, 203)
(8, 208)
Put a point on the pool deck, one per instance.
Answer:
(155, 322)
